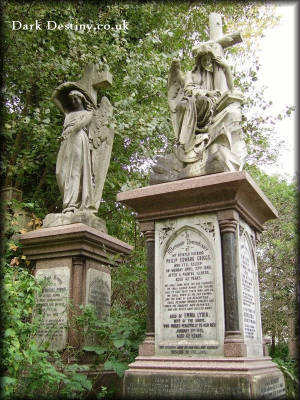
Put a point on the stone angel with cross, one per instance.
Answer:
(86, 141)
(205, 113)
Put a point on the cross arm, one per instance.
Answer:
(230, 39)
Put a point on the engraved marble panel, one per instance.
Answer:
(98, 291)
(53, 303)
(271, 386)
(189, 296)
(169, 385)
(248, 291)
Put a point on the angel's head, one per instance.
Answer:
(204, 56)
(77, 100)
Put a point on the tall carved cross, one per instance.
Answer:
(93, 80)
(216, 34)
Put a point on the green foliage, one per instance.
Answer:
(280, 351)
(19, 291)
(289, 367)
(279, 274)
(116, 339)
(35, 372)
(277, 256)
(29, 369)
(129, 284)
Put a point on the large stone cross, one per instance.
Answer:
(93, 80)
(216, 33)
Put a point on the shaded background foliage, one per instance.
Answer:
(38, 61)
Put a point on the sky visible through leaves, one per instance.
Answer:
(277, 55)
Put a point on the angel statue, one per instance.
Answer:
(206, 114)
(85, 149)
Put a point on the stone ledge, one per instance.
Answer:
(216, 383)
(213, 364)
(70, 240)
(210, 193)
(74, 218)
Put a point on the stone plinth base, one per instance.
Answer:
(211, 193)
(203, 294)
(74, 218)
(147, 348)
(198, 378)
(108, 379)
(10, 193)
(76, 260)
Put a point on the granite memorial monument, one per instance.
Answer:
(201, 218)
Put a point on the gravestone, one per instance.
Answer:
(204, 337)
(98, 288)
(76, 260)
(73, 250)
(191, 288)
(23, 218)
(53, 303)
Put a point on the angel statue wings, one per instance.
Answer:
(86, 145)
(206, 114)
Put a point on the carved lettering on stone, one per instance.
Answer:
(188, 296)
(247, 276)
(250, 318)
(270, 387)
(53, 304)
(98, 292)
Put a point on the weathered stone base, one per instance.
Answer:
(108, 379)
(211, 378)
(76, 259)
(74, 218)
(147, 348)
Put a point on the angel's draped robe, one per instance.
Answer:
(73, 168)
(193, 111)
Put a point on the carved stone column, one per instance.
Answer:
(148, 347)
(78, 279)
(233, 342)
(76, 297)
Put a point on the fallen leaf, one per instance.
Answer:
(13, 247)
(14, 261)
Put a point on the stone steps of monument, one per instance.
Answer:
(216, 364)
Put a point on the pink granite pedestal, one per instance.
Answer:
(204, 337)
(77, 260)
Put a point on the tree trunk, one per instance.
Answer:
(273, 343)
